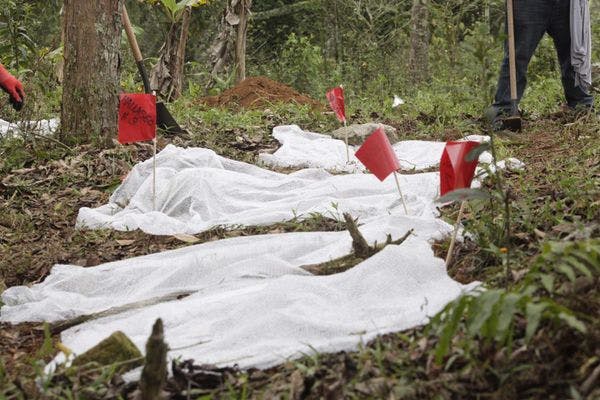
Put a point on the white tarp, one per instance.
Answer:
(198, 190)
(303, 149)
(252, 304)
(249, 301)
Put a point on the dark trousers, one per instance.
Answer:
(534, 18)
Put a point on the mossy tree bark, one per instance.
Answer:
(92, 35)
(419, 41)
(242, 9)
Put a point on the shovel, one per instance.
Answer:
(513, 122)
(164, 119)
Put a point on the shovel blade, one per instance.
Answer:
(513, 123)
(165, 120)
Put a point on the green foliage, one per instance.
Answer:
(565, 261)
(16, 45)
(480, 50)
(498, 315)
(301, 65)
(174, 10)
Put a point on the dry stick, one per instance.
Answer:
(453, 241)
(400, 191)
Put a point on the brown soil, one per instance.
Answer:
(259, 92)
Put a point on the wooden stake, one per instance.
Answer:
(453, 241)
(154, 176)
(154, 142)
(400, 192)
(347, 147)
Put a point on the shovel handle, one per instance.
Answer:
(137, 54)
(512, 50)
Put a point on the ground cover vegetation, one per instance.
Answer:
(534, 237)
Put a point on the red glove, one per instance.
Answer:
(13, 87)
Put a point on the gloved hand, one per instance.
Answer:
(13, 87)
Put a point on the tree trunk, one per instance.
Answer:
(221, 50)
(167, 75)
(90, 98)
(419, 41)
(242, 9)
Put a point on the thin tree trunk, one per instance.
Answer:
(92, 34)
(419, 41)
(221, 51)
(242, 10)
(167, 75)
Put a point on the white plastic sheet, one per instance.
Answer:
(302, 149)
(249, 301)
(198, 190)
(252, 304)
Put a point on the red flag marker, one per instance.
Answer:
(379, 157)
(455, 171)
(137, 117)
(137, 123)
(336, 101)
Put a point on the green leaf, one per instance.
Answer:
(579, 266)
(548, 282)
(477, 151)
(533, 313)
(573, 322)
(566, 270)
(449, 328)
(464, 195)
(507, 312)
(482, 311)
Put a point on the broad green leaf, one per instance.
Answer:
(579, 266)
(464, 195)
(450, 327)
(482, 311)
(567, 270)
(573, 322)
(507, 312)
(548, 282)
(533, 313)
(170, 5)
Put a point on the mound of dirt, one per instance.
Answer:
(258, 92)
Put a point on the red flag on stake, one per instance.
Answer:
(137, 123)
(336, 101)
(379, 157)
(455, 171)
(137, 117)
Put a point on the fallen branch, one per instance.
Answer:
(58, 327)
(361, 251)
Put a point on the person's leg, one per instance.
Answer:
(531, 22)
(560, 32)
